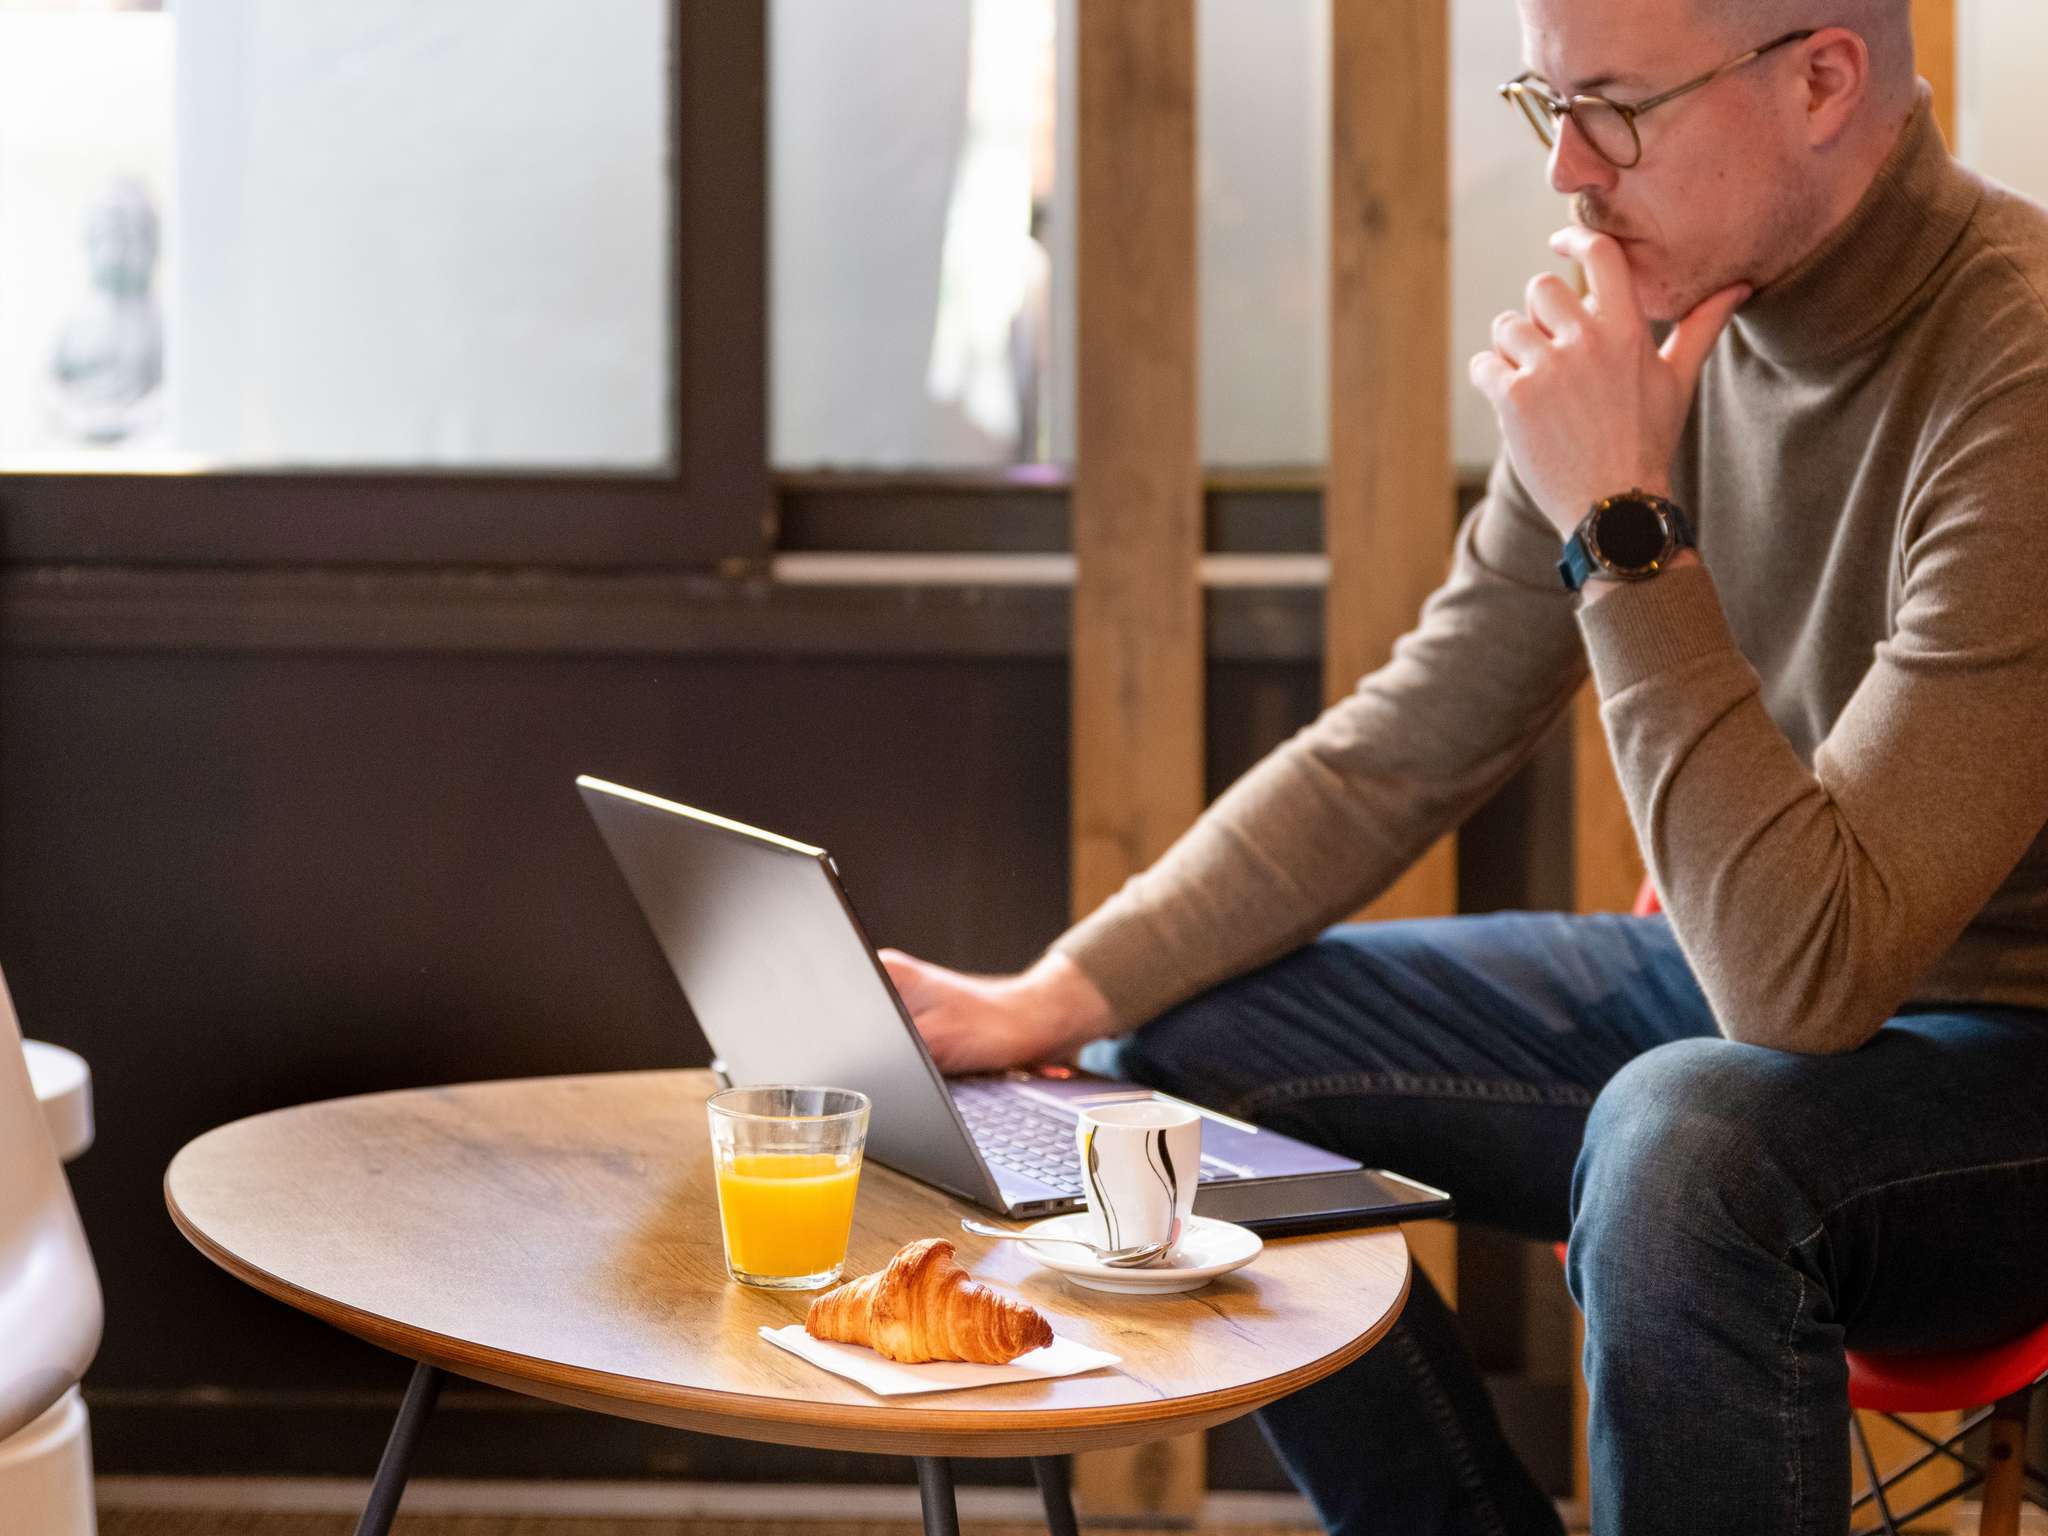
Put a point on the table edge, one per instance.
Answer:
(531, 1375)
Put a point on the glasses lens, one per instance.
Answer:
(1605, 129)
(1533, 112)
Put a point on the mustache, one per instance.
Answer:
(1591, 215)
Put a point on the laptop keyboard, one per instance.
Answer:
(1014, 1133)
(1036, 1140)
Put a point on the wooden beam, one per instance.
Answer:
(1137, 659)
(1390, 497)
(1391, 493)
(1934, 56)
(1137, 662)
(1607, 864)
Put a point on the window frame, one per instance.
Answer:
(713, 507)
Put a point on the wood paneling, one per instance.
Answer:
(1137, 707)
(1934, 56)
(1607, 865)
(1137, 702)
(1386, 509)
(1391, 486)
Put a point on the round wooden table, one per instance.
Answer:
(559, 1237)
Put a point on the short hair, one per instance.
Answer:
(1886, 27)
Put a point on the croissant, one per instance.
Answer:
(922, 1306)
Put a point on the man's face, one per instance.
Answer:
(1717, 196)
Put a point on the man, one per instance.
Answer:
(1811, 1107)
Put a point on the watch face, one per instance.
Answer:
(1630, 534)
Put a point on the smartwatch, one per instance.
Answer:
(1630, 537)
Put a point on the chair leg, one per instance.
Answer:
(1884, 1508)
(2006, 1472)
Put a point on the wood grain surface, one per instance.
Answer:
(1137, 657)
(1391, 493)
(1137, 662)
(559, 1237)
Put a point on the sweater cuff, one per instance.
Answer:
(1653, 626)
(1127, 964)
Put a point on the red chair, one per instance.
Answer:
(2004, 1376)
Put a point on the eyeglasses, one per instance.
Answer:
(1610, 126)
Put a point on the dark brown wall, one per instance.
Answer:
(243, 878)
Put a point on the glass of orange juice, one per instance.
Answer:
(788, 1163)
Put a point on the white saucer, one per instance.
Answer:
(1207, 1248)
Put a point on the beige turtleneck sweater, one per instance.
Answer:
(1832, 736)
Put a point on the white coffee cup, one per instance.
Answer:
(1139, 1166)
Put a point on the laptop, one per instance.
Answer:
(786, 988)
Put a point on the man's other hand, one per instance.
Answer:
(986, 1023)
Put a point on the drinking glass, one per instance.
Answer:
(787, 1160)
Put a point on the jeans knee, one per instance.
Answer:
(1693, 1143)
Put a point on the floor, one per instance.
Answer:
(188, 1522)
(213, 1523)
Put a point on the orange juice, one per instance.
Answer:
(787, 1213)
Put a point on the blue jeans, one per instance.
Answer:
(1737, 1215)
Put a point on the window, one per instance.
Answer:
(337, 233)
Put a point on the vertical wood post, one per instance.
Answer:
(1138, 653)
(1934, 56)
(1390, 497)
(1137, 657)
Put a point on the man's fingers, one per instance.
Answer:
(1552, 304)
(1610, 286)
(1686, 348)
(1490, 374)
(1516, 338)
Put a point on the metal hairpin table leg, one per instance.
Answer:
(935, 1492)
(396, 1464)
(1055, 1487)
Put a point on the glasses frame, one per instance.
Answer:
(1545, 111)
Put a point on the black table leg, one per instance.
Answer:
(396, 1465)
(935, 1492)
(1055, 1487)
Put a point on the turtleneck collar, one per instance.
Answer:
(1866, 271)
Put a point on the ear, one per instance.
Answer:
(1834, 82)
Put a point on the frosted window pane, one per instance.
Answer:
(912, 187)
(392, 234)
(871, 118)
(1265, 136)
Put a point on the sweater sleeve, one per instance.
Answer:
(1810, 902)
(1335, 814)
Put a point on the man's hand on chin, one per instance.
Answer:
(1589, 404)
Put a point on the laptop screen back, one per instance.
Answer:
(779, 975)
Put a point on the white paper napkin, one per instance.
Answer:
(856, 1362)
